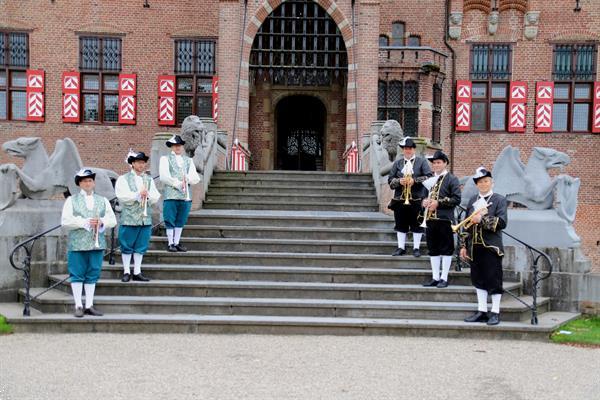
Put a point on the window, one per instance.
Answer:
(100, 63)
(490, 72)
(436, 117)
(400, 101)
(383, 41)
(194, 67)
(14, 61)
(414, 41)
(398, 34)
(574, 70)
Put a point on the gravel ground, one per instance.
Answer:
(109, 366)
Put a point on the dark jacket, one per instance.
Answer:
(421, 172)
(448, 197)
(488, 232)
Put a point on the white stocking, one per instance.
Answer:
(126, 261)
(89, 294)
(77, 288)
(482, 300)
(417, 240)
(496, 303)
(137, 263)
(177, 236)
(401, 239)
(435, 267)
(446, 262)
(170, 236)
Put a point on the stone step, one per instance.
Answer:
(222, 190)
(316, 176)
(278, 198)
(256, 182)
(292, 219)
(283, 245)
(193, 323)
(56, 301)
(291, 259)
(241, 204)
(276, 232)
(266, 289)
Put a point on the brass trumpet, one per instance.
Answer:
(406, 191)
(468, 222)
(97, 231)
(144, 200)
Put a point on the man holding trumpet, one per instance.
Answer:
(137, 194)
(406, 179)
(438, 214)
(482, 245)
(86, 215)
(177, 173)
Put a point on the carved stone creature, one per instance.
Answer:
(198, 141)
(44, 177)
(531, 22)
(493, 20)
(386, 143)
(454, 30)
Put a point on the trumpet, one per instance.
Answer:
(97, 231)
(185, 184)
(406, 191)
(468, 222)
(144, 200)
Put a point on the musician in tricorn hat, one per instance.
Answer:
(481, 244)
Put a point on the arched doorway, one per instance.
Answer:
(300, 126)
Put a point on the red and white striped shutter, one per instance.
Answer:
(596, 115)
(352, 159)
(127, 100)
(35, 95)
(166, 100)
(464, 91)
(71, 88)
(544, 98)
(517, 106)
(238, 158)
(215, 98)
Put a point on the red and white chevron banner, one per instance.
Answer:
(35, 105)
(71, 82)
(35, 95)
(517, 116)
(238, 157)
(71, 85)
(351, 157)
(215, 98)
(166, 100)
(596, 120)
(126, 109)
(518, 107)
(544, 92)
(544, 97)
(543, 116)
(127, 84)
(71, 107)
(35, 81)
(167, 86)
(166, 109)
(464, 91)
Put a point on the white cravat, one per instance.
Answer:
(483, 196)
(444, 172)
(89, 199)
(178, 159)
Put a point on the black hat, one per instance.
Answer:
(481, 173)
(84, 173)
(135, 156)
(439, 155)
(407, 142)
(176, 139)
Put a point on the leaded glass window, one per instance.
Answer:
(399, 100)
(436, 120)
(14, 61)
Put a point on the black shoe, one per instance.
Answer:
(399, 252)
(416, 252)
(431, 283)
(180, 248)
(78, 312)
(126, 278)
(140, 278)
(442, 284)
(172, 248)
(93, 311)
(477, 317)
(494, 319)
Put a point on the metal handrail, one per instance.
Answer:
(536, 277)
(26, 263)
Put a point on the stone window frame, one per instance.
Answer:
(389, 108)
(486, 77)
(106, 88)
(9, 84)
(571, 83)
(198, 81)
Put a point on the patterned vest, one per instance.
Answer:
(171, 193)
(133, 214)
(80, 239)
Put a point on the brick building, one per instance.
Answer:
(300, 80)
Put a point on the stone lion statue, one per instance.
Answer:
(391, 133)
(198, 141)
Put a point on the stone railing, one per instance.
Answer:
(426, 59)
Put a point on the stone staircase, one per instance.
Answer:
(285, 252)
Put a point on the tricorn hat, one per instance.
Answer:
(439, 155)
(135, 156)
(176, 139)
(407, 142)
(84, 173)
(481, 172)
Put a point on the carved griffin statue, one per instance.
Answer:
(198, 141)
(43, 176)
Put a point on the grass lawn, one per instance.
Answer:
(4, 326)
(584, 330)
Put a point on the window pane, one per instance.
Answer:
(90, 107)
(204, 106)
(383, 40)
(583, 91)
(479, 90)
(184, 108)
(91, 82)
(204, 85)
(381, 93)
(500, 61)
(479, 67)
(498, 117)
(19, 56)
(185, 84)
(2, 78)
(398, 34)
(559, 117)
(381, 116)
(584, 65)
(395, 114)
(18, 101)
(479, 116)
(205, 53)
(2, 104)
(561, 91)
(111, 82)
(581, 115)
(411, 124)
(414, 41)
(411, 93)
(111, 54)
(2, 50)
(90, 53)
(499, 90)
(184, 51)
(562, 61)
(18, 79)
(111, 108)
(395, 93)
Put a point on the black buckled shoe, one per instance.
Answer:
(180, 248)
(126, 278)
(172, 249)
(442, 284)
(93, 311)
(477, 317)
(399, 252)
(494, 319)
(416, 252)
(140, 278)
(78, 312)
(431, 283)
